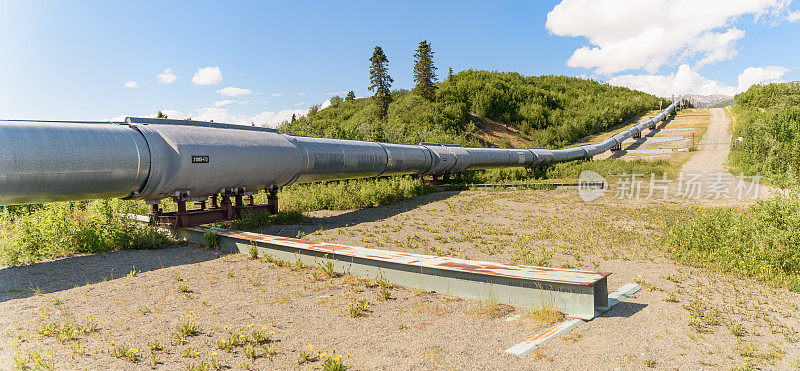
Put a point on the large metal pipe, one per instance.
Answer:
(151, 159)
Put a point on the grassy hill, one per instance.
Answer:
(482, 108)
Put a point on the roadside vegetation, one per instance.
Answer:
(34, 232)
(760, 242)
(768, 121)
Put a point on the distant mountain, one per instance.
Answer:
(703, 101)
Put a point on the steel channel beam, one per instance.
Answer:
(579, 294)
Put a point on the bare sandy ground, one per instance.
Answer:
(684, 318)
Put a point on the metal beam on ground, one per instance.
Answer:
(579, 294)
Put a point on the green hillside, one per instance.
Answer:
(769, 123)
(482, 108)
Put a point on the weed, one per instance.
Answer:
(259, 337)
(545, 315)
(183, 288)
(384, 295)
(492, 308)
(306, 357)
(127, 353)
(540, 356)
(144, 311)
(133, 272)
(202, 366)
(56, 302)
(188, 329)
(212, 239)
(177, 277)
(328, 269)
(253, 252)
(250, 352)
(190, 352)
(283, 299)
(77, 349)
(649, 362)
(736, 329)
(671, 297)
(357, 309)
(334, 364)
(155, 346)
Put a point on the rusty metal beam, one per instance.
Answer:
(579, 294)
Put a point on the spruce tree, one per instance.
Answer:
(161, 115)
(424, 71)
(450, 75)
(350, 96)
(380, 82)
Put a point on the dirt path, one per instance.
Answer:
(714, 147)
(709, 164)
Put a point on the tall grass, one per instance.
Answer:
(761, 242)
(57, 229)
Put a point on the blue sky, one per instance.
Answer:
(73, 60)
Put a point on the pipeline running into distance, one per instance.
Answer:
(151, 159)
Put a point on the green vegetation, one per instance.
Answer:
(570, 171)
(769, 124)
(549, 111)
(34, 232)
(760, 242)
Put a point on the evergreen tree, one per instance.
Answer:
(161, 115)
(294, 117)
(380, 82)
(424, 71)
(350, 96)
(335, 101)
(450, 75)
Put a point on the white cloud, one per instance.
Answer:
(171, 113)
(225, 102)
(715, 46)
(271, 118)
(298, 104)
(166, 77)
(234, 92)
(684, 81)
(301, 93)
(338, 92)
(325, 104)
(760, 75)
(131, 84)
(687, 81)
(223, 115)
(207, 76)
(793, 16)
(647, 34)
(276, 94)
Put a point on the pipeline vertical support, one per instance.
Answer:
(213, 199)
(155, 212)
(272, 199)
(181, 219)
(225, 204)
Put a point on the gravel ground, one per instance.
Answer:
(683, 318)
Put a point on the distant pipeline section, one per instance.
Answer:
(152, 159)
